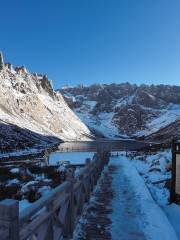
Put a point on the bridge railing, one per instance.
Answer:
(53, 216)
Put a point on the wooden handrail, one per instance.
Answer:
(43, 201)
(56, 213)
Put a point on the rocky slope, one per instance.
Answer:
(32, 113)
(126, 110)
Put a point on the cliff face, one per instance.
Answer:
(127, 110)
(29, 102)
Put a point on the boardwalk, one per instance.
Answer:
(121, 208)
(95, 222)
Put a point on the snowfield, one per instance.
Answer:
(101, 123)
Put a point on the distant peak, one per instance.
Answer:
(21, 70)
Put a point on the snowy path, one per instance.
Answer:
(126, 209)
(121, 208)
(135, 214)
(95, 223)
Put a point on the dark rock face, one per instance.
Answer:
(136, 111)
(46, 85)
(13, 138)
(1, 61)
(167, 133)
(133, 118)
(147, 99)
(8, 66)
(21, 70)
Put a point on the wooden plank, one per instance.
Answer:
(30, 211)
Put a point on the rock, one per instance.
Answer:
(169, 166)
(1, 61)
(35, 75)
(8, 66)
(21, 70)
(145, 112)
(33, 114)
(46, 84)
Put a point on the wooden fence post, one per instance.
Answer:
(71, 213)
(9, 217)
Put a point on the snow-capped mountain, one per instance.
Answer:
(31, 111)
(128, 110)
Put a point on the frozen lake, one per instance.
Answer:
(108, 144)
(72, 157)
(77, 152)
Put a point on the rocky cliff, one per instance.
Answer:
(127, 110)
(31, 112)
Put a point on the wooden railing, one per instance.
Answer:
(53, 216)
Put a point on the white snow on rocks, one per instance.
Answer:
(101, 123)
(29, 101)
(126, 110)
(155, 170)
(168, 116)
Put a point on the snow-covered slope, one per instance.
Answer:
(126, 110)
(29, 106)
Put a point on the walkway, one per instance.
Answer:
(122, 208)
(95, 222)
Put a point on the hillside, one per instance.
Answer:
(32, 113)
(127, 110)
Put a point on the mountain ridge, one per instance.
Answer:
(28, 101)
(127, 110)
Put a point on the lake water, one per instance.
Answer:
(101, 144)
(77, 152)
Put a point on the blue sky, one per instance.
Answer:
(94, 41)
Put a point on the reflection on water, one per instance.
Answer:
(102, 144)
(74, 151)
(77, 152)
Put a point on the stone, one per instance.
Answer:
(1, 61)
(35, 75)
(169, 166)
(46, 84)
(8, 66)
(21, 70)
